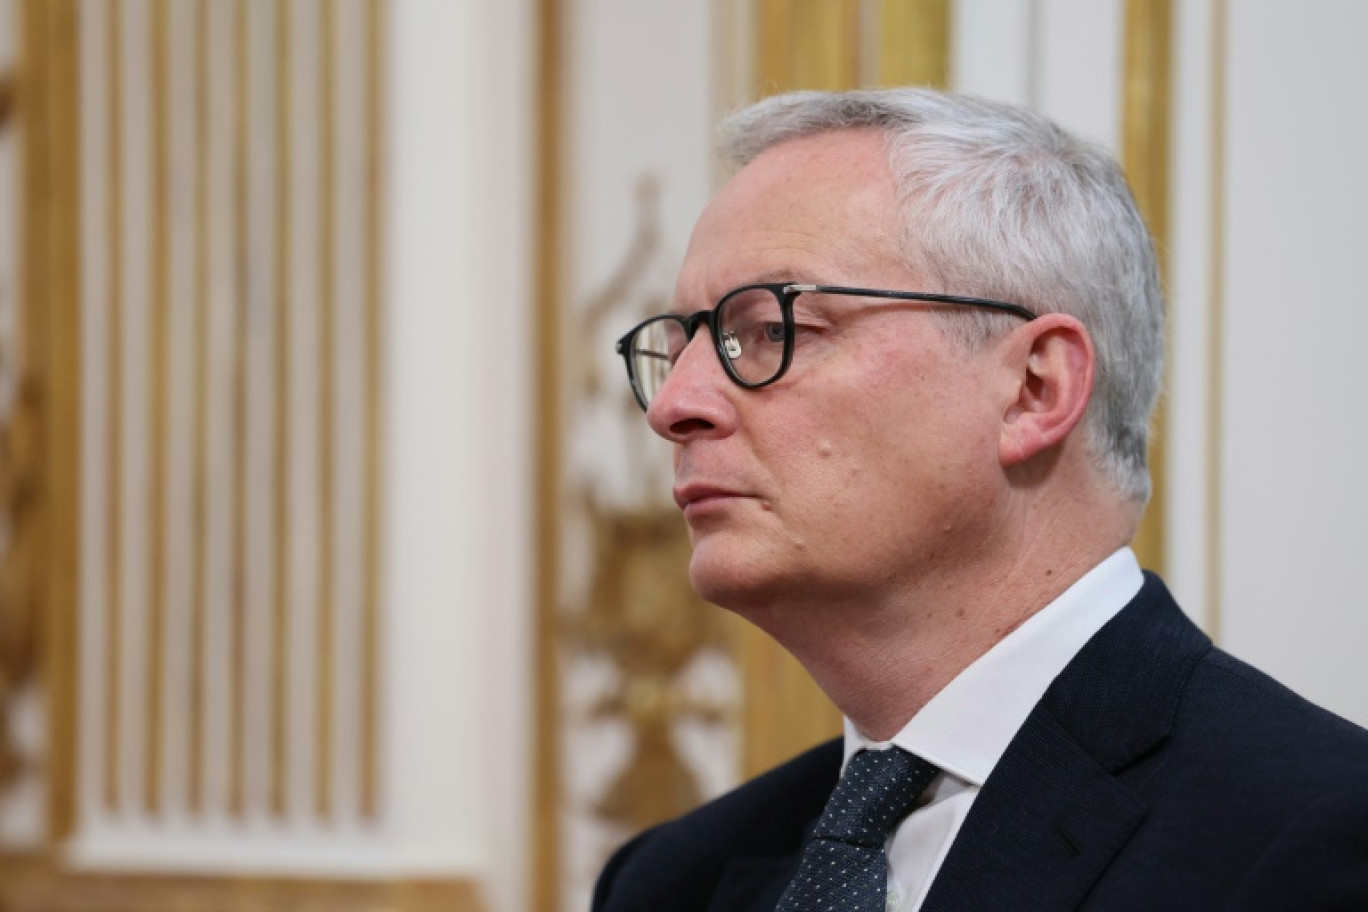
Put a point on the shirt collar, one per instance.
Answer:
(966, 727)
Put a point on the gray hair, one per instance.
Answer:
(999, 202)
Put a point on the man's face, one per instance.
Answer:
(871, 465)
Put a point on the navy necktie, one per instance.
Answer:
(844, 866)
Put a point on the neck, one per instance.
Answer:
(882, 655)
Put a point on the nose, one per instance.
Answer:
(694, 400)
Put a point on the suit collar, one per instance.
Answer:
(966, 727)
(1119, 695)
(1056, 809)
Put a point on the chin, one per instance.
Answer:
(734, 582)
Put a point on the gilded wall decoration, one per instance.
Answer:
(20, 560)
(645, 659)
(20, 483)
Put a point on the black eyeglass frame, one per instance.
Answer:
(786, 293)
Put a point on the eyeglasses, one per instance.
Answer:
(752, 330)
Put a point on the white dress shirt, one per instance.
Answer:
(966, 727)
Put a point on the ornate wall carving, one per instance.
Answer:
(651, 695)
(20, 494)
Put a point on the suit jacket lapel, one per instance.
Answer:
(1059, 806)
(754, 882)
(1046, 823)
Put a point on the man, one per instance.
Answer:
(915, 346)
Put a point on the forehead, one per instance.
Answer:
(821, 208)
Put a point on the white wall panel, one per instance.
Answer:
(993, 48)
(1191, 308)
(1061, 57)
(501, 600)
(1294, 490)
(1079, 64)
(432, 539)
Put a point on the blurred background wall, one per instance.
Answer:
(337, 567)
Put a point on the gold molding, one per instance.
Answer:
(200, 443)
(324, 654)
(1146, 105)
(237, 662)
(772, 34)
(280, 643)
(371, 454)
(64, 435)
(826, 44)
(1216, 171)
(50, 300)
(114, 460)
(807, 44)
(914, 42)
(157, 407)
(21, 468)
(552, 79)
(34, 884)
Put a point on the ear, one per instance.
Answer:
(1051, 363)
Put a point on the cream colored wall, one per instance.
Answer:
(459, 553)
(497, 319)
(1268, 490)
(1294, 582)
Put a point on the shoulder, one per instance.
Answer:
(679, 863)
(1151, 678)
(1318, 859)
(1232, 709)
(1283, 784)
(1243, 783)
(1261, 784)
(1197, 733)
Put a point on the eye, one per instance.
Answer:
(773, 332)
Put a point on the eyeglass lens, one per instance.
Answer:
(655, 347)
(750, 328)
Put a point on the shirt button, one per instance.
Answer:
(894, 899)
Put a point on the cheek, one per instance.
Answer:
(875, 424)
(899, 447)
(847, 463)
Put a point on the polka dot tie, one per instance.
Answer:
(844, 867)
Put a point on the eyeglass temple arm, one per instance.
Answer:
(930, 297)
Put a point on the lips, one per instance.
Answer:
(695, 493)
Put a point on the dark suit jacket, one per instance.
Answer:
(1157, 773)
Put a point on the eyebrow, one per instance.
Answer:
(786, 276)
(768, 277)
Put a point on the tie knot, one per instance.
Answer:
(876, 791)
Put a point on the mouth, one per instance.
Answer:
(694, 497)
